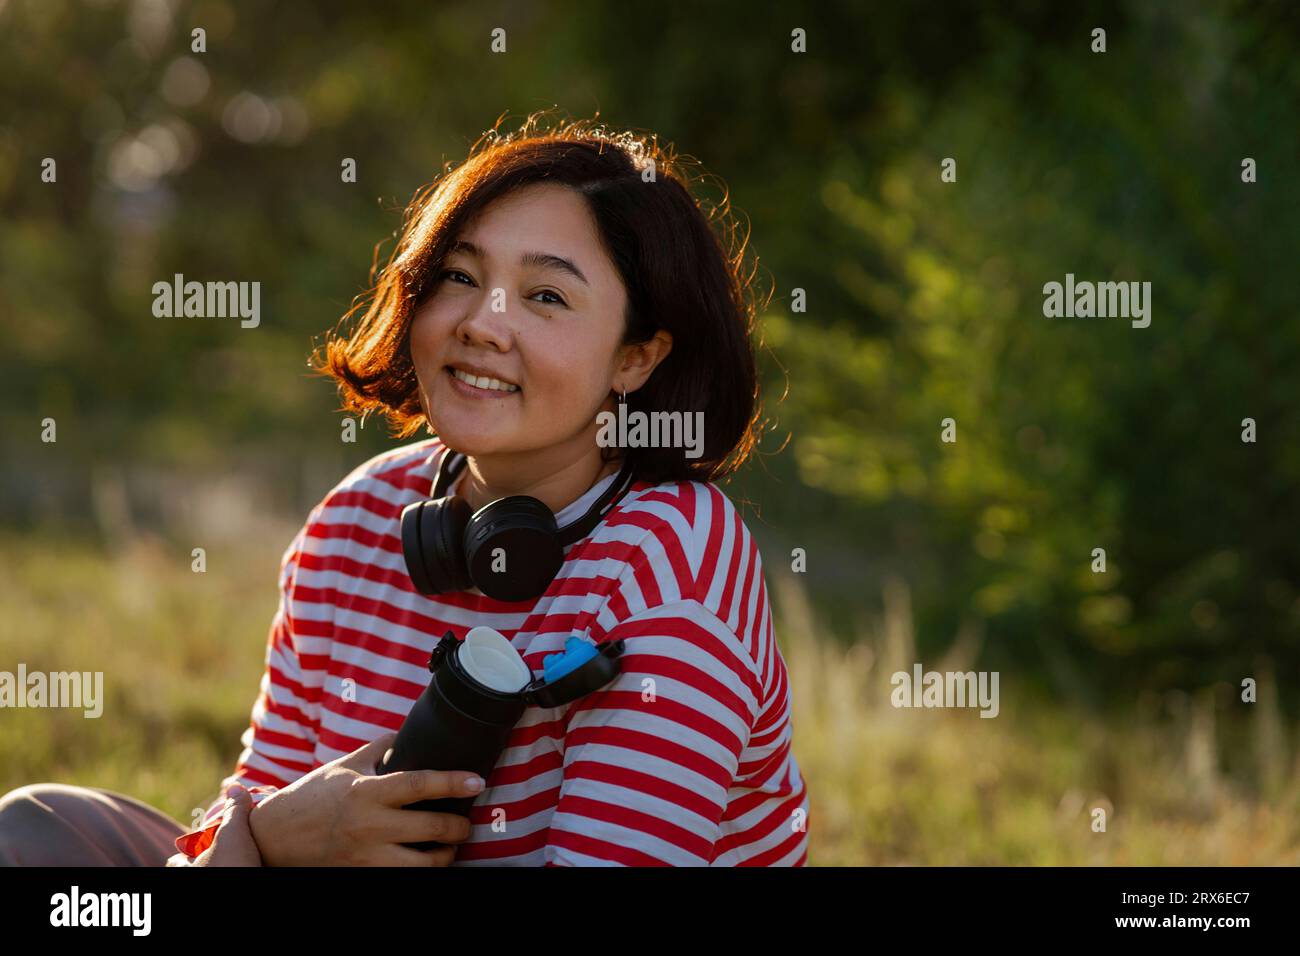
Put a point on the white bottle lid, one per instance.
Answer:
(492, 660)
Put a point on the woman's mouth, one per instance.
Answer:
(479, 386)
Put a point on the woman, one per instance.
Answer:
(549, 277)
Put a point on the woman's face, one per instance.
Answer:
(528, 297)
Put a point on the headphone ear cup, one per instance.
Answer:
(412, 553)
(433, 534)
(443, 533)
(523, 530)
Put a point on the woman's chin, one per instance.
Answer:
(471, 440)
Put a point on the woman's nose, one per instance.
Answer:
(484, 325)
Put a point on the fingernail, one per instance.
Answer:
(474, 783)
(233, 789)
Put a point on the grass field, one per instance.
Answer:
(1183, 780)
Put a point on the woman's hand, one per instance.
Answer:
(232, 844)
(342, 814)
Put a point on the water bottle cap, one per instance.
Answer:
(580, 669)
(492, 660)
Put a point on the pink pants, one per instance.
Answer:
(55, 824)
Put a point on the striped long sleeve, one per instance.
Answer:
(279, 742)
(684, 760)
(648, 760)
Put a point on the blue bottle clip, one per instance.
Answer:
(576, 653)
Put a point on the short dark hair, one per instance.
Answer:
(680, 275)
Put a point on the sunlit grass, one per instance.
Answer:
(181, 654)
(935, 787)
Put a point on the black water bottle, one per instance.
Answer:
(479, 690)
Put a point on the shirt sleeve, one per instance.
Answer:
(280, 741)
(649, 759)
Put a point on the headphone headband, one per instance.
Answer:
(454, 462)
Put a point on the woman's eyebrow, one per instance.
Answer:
(544, 260)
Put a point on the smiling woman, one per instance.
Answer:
(576, 259)
(550, 276)
(516, 348)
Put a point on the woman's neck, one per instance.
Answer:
(557, 484)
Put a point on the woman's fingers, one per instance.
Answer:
(405, 856)
(415, 826)
(241, 801)
(233, 844)
(410, 786)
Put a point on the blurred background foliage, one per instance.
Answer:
(923, 302)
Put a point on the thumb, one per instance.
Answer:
(364, 759)
(238, 804)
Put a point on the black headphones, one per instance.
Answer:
(449, 549)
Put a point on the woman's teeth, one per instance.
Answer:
(481, 382)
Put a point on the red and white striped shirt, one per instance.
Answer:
(698, 773)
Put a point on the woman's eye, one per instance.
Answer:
(556, 295)
(449, 275)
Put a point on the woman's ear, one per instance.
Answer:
(640, 360)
